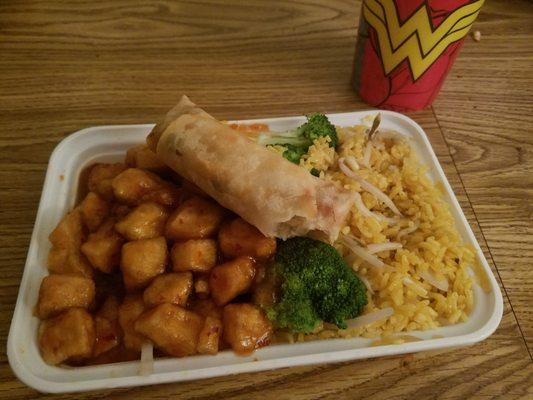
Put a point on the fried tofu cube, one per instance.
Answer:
(172, 328)
(195, 218)
(102, 248)
(59, 292)
(57, 260)
(68, 261)
(94, 210)
(201, 286)
(142, 157)
(167, 195)
(231, 279)
(172, 288)
(206, 308)
(128, 312)
(107, 335)
(246, 328)
(239, 238)
(100, 177)
(66, 238)
(135, 186)
(68, 337)
(146, 221)
(209, 336)
(198, 255)
(142, 260)
(107, 327)
(69, 233)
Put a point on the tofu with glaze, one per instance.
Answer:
(142, 157)
(60, 292)
(195, 218)
(103, 247)
(173, 288)
(135, 186)
(94, 210)
(69, 336)
(246, 327)
(143, 260)
(206, 308)
(210, 335)
(107, 328)
(239, 238)
(146, 221)
(197, 255)
(65, 256)
(231, 279)
(131, 308)
(101, 176)
(171, 328)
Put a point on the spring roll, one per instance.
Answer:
(278, 197)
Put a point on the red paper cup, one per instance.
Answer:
(405, 49)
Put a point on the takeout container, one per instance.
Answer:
(109, 144)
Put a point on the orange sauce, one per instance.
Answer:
(250, 130)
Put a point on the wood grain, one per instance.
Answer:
(488, 124)
(68, 65)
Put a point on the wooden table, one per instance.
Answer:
(69, 65)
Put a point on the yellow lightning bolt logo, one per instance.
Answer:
(415, 39)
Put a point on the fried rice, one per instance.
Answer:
(409, 254)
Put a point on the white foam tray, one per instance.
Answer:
(108, 144)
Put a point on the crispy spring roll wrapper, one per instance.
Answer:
(278, 197)
(185, 106)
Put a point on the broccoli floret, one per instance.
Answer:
(293, 153)
(295, 145)
(297, 141)
(294, 297)
(316, 285)
(318, 125)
